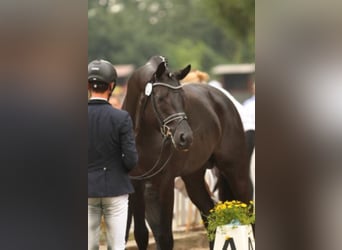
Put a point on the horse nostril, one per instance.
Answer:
(182, 138)
(184, 141)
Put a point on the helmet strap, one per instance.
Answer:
(111, 90)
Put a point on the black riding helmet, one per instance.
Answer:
(101, 71)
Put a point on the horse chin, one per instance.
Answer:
(181, 148)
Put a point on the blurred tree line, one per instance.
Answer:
(201, 32)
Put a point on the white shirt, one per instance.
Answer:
(249, 106)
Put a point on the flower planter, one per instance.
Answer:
(234, 237)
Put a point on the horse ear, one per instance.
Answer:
(160, 70)
(183, 72)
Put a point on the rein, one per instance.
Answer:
(154, 170)
(164, 129)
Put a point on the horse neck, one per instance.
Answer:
(135, 87)
(131, 98)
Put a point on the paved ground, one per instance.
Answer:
(194, 240)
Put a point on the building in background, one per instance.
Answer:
(238, 79)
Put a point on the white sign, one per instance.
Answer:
(234, 237)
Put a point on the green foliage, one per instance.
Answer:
(196, 53)
(237, 15)
(237, 18)
(131, 31)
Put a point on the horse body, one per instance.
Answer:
(210, 134)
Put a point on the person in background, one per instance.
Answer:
(196, 76)
(115, 102)
(112, 155)
(249, 106)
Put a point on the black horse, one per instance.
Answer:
(181, 131)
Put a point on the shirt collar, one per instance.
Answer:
(98, 98)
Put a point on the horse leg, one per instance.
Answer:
(137, 208)
(234, 179)
(198, 193)
(129, 218)
(159, 198)
(224, 190)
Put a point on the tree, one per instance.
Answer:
(131, 31)
(237, 18)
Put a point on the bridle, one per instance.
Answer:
(164, 127)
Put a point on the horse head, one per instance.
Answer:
(167, 100)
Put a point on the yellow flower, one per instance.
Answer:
(230, 212)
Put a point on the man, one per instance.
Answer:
(111, 156)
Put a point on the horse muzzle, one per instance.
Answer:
(182, 134)
(182, 139)
(184, 142)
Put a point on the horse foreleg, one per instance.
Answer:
(137, 207)
(129, 218)
(199, 195)
(159, 210)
